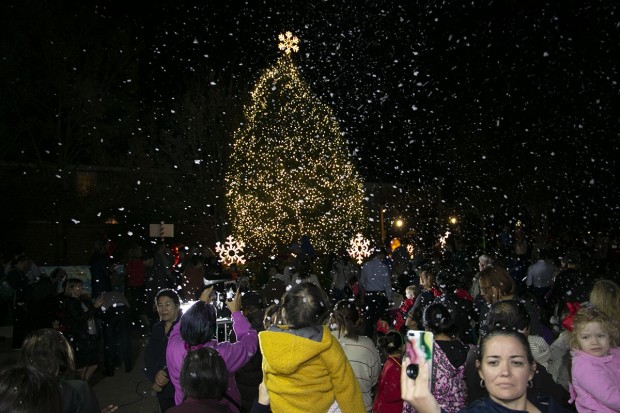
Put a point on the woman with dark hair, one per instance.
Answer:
(511, 315)
(360, 350)
(449, 357)
(506, 368)
(196, 329)
(168, 307)
(28, 390)
(48, 350)
(204, 380)
(496, 284)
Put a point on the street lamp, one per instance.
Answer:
(399, 223)
(453, 220)
(382, 220)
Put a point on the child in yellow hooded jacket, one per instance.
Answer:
(304, 366)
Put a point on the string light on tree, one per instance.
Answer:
(359, 248)
(290, 171)
(231, 252)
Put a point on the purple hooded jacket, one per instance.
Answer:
(235, 355)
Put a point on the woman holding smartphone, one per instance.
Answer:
(506, 367)
(449, 356)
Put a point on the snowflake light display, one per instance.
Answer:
(231, 252)
(359, 248)
(410, 251)
(442, 241)
(288, 42)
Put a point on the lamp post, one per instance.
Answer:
(382, 221)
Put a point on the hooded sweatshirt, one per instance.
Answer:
(306, 370)
(595, 382)
(235, 355)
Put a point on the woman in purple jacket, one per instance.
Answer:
(196, 330)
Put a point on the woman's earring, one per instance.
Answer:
(482, 383)
(530, 384)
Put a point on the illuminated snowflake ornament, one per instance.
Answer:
(410, 251)
(231, 252)
(359, 249)
(288, 43)
(442, 241)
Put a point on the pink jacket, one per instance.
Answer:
(235, 355)
(596, 382)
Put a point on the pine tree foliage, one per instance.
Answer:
(290, 173)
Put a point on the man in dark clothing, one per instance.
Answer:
(116, 329)
(99, 264)
(569, 286)
(376, 290)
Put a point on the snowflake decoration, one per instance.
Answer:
(442, 240)
(231, 252)
(410, 251)
(288, 42)
(359, 248)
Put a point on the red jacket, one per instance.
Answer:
(388, 390)
(135, 272)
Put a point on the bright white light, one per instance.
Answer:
(185, 305)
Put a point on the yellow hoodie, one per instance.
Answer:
(306, 370)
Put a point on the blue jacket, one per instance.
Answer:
(486, 405)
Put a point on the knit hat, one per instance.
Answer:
(540, 349)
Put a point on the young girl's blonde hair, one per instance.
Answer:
(589, 314)
(605, 296)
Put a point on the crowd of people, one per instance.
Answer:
(514, 330)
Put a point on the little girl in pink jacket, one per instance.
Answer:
(595, 371)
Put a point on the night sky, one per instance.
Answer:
(506, 104)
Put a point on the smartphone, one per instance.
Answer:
(419, 344)
(230, 294)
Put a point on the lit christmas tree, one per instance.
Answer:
(290, 173)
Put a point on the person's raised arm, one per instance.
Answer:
(234, 305)
(417, 392)
(238, 353)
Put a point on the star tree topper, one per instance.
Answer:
(288, 42)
